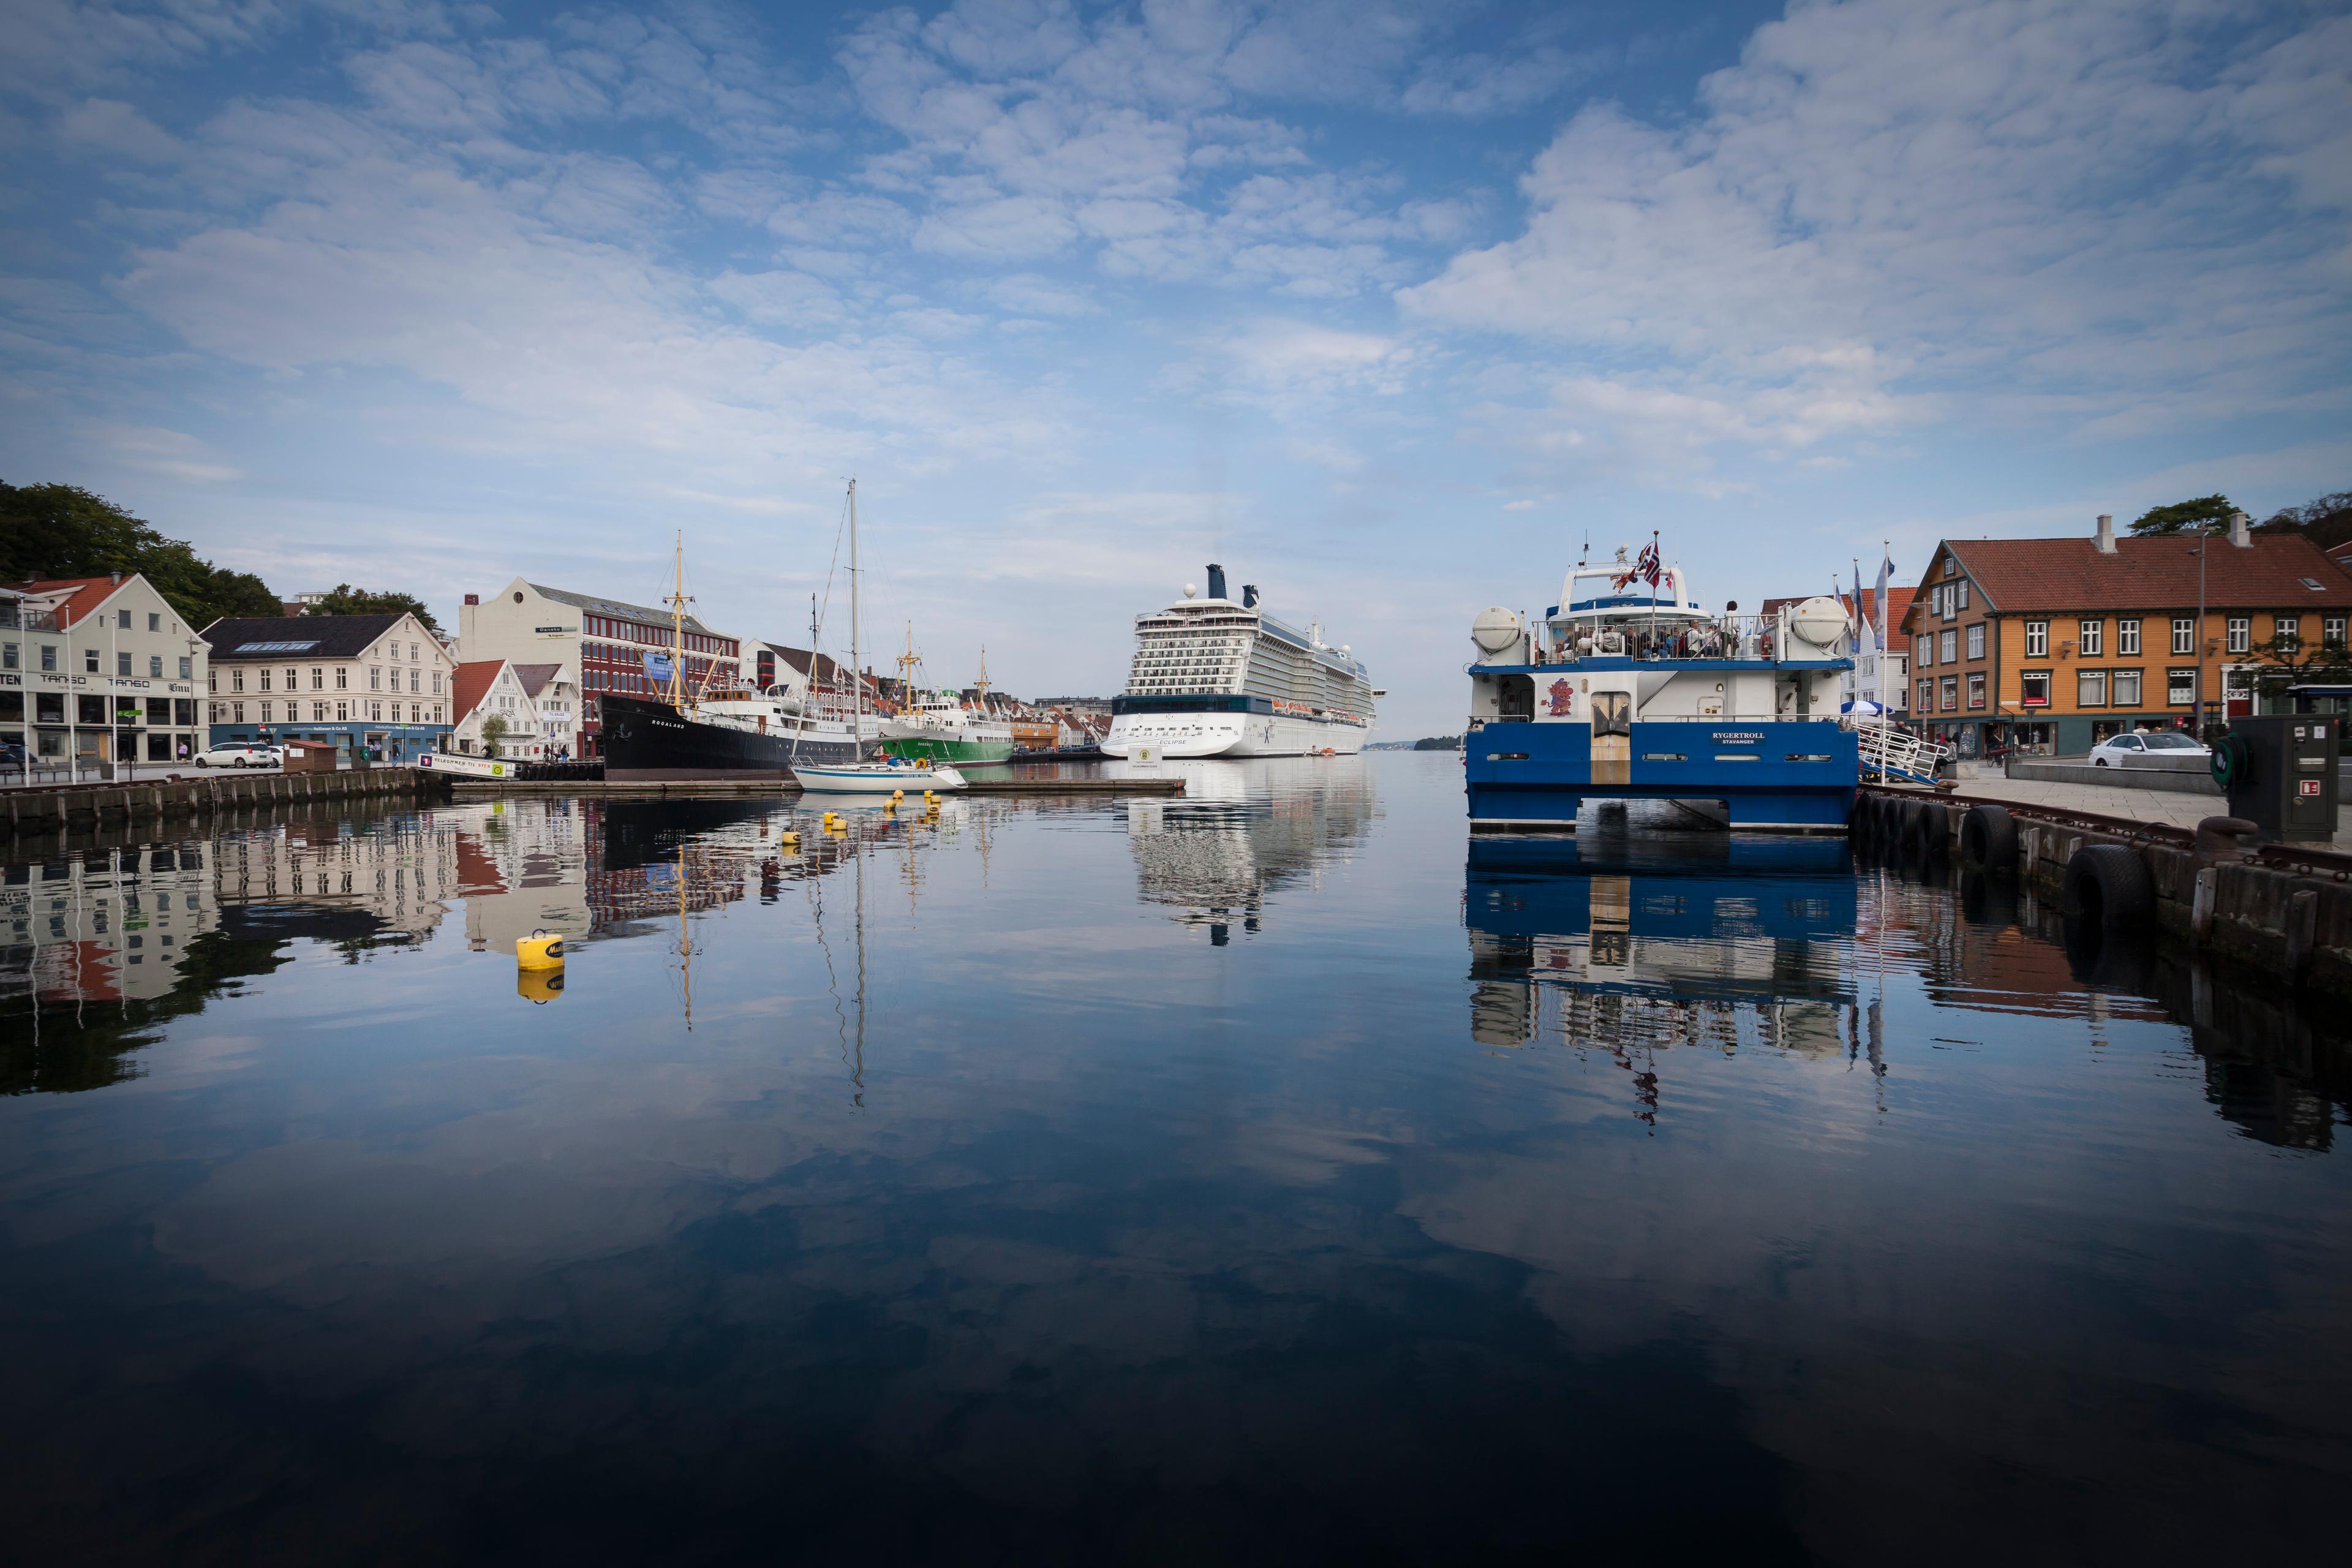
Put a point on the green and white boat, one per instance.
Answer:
(936, 727)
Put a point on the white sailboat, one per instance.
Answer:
(881, 777)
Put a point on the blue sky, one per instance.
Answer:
(1385, 306)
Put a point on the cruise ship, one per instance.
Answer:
(1218, 677)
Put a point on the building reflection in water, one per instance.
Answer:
(1242, 831)
(105, 942)
(1635, 943)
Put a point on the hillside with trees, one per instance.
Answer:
(64, 530)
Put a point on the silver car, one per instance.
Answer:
(2172, 750)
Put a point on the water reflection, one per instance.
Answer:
(1242, 831)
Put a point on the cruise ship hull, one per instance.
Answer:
(1227, 734)
(647, 741)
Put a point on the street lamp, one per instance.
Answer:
(2204, 542)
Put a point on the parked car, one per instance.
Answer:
(2168, 748)
(241, 756)
(12, 756)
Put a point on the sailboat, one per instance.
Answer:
(875, 777)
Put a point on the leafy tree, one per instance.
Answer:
(2186, 516)
(347, 600)
(494, 730)
(64, 530)
(2284, 661)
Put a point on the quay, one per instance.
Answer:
(2282, 907)
(62, 808)
(479, 789)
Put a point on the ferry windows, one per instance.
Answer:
(1976, 640)
(2094, 638)
(2090, 689)
(2126, 688)
(2037, 640)
(2127, 637)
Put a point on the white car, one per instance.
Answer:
(241, 755)
(2168, 748)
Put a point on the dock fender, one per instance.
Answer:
(2108, 886)
(1925, 832)
(1988, 840)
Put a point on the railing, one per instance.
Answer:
(1724, 637)
(1888, 751)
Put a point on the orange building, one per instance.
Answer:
(2053, 645)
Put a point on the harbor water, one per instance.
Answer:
(1270, 1173)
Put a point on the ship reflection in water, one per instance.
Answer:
(1088, 1179)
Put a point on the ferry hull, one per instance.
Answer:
(648, 743)
(1179, 734)
(1794, 777)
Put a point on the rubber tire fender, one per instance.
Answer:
(1988, 840)
(1925, 831)
(2108, 883)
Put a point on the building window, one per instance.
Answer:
(317, 712)
(375, 712)
(2184, 634)
(265, 712)
(121, 663)
(2127, 637)
(154, 667)
(1950, 648)
(2090, 689)
(2179, 687)
(122, 620)
(293, 679)
(342, 712)
(342, 676)
(2094, 635)
(1951, 693)
(236, 679)
(2331, 630)
(2127, 688)
(413, 679)
(89, 661)
(318, 678)
(375, 678)
(2242, 633)
(264, 680)
(1960, 589)
(49, 655)
(1976, 688)
(236, 712)
(187, 667)
(155, 622)
(2286, 630)
(7, 655)
(436, 683)
(1924, 647)
(1976, 641)
(215, 711)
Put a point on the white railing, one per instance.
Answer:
(1889, 750)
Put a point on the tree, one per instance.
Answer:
(494, 730)
(64, 530)
(2186, 516)
(2289, 660)
(2326, 521)
(347, 600)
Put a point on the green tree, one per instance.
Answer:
(64, 530)
(347, 600)
(494, 730)
(2326, 521)
(2186, 516)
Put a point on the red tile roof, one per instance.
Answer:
(1898, 602)
(473, 683)
(88, 593)
(2157, 572)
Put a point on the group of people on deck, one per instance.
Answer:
(1703, 640)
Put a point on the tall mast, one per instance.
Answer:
(677, 630)
(857, 687)
(981, 685)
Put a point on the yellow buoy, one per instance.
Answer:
(540, 950)
(539, 987)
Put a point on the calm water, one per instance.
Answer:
(1270, 1173)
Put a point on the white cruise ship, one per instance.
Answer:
(1214, 677)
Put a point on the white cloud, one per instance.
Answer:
(172, 453)
(108, 125)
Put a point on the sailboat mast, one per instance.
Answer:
(678, 628)
(857, 687)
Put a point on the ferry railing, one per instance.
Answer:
(1721, 637)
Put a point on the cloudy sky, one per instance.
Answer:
(1387, 306)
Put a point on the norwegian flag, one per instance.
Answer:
(1644, 568)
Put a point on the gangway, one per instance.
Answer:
(1891, 753)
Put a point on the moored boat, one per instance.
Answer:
(1629, 692)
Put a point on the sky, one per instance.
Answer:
(1391, 308)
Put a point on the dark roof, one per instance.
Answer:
(305, 637)
(535, 677)
(619, 609)
(2276, 572)
(829, 670)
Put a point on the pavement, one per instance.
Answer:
(2119, 800)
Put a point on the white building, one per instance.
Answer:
(97, 670)
(490, 689)
(375, 685)
(596, 644)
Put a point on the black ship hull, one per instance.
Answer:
(646, 741)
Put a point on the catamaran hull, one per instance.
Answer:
(1790, 776)
(1177, 736)
(648, 743)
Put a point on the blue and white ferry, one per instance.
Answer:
(1629, 689)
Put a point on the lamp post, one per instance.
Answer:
(2204, 544)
